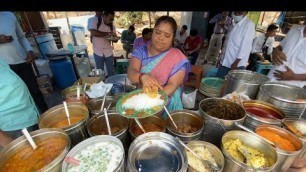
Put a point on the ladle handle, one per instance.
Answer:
(139, 124)
(29, 138)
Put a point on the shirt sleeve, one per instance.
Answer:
(287, 37)
(254, 44)
(246, 44)
(214, 19)
(21, 37)
(270, 45)
(93, 23)
(139, 53)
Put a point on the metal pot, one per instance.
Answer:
(91, 141)
(94, 105)
(121, 84)
(291, 99)
(231, 109)
(77, 132)
(252, 120)
(189, 117)
(285, 158)
(217, 154)
(297, 127)
(97, 124)
(148, 120)
(42, 134)
(156, 151)
(243, 81)
(250, 140)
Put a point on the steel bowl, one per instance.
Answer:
(285, 158)
(232, 108)
(291, 99)
(148, 120)
(189, 117)
(97, 124)
(94, 105)
(41, 134)
(250, 140)
(252, 120)
(121, 82)
(243, 81)
(215, 151)
(156, 151)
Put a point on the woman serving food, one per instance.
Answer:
(159, 66)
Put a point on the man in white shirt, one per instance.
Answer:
(289, 58)
(238, 44)
(262, 47)
(16, 51)
(180, 36)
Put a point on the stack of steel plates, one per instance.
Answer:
(211, 86)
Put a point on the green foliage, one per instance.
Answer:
(128, 18)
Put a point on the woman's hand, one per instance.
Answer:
(149, 83)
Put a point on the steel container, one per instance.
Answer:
(77, 132)
(243, 81)
(285, 158)
(252, 121)
(97, 124)
(91, 141)
(41, 134)
(250, 140)
(291, 99)
(156, 151)
(188, 117)
(94, 105)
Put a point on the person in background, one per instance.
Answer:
(289, 58)
(237, 45)
(158, 65)
(127, 38)
(222, 24)
(16, 51)
(192, 45)
(262, 47)
(180, 37)
(145, 39)
(103, 50)
(17, 108)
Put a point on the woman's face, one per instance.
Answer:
(162, 36)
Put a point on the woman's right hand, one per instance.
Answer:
(150, 83)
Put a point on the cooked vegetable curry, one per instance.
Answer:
(26, 159)
(64, 123)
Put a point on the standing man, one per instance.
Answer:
(222, 24)
(100, 28)
(16, 51)
(238, 44)
(180, 36)
(262, 47)
(127, 38)
(289, 58)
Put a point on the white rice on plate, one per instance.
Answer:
(142, 101)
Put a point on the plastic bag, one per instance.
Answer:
(189, 99)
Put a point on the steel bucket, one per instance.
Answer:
(291, 99)
(77, 132)
(189, 117)
(243, 81)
